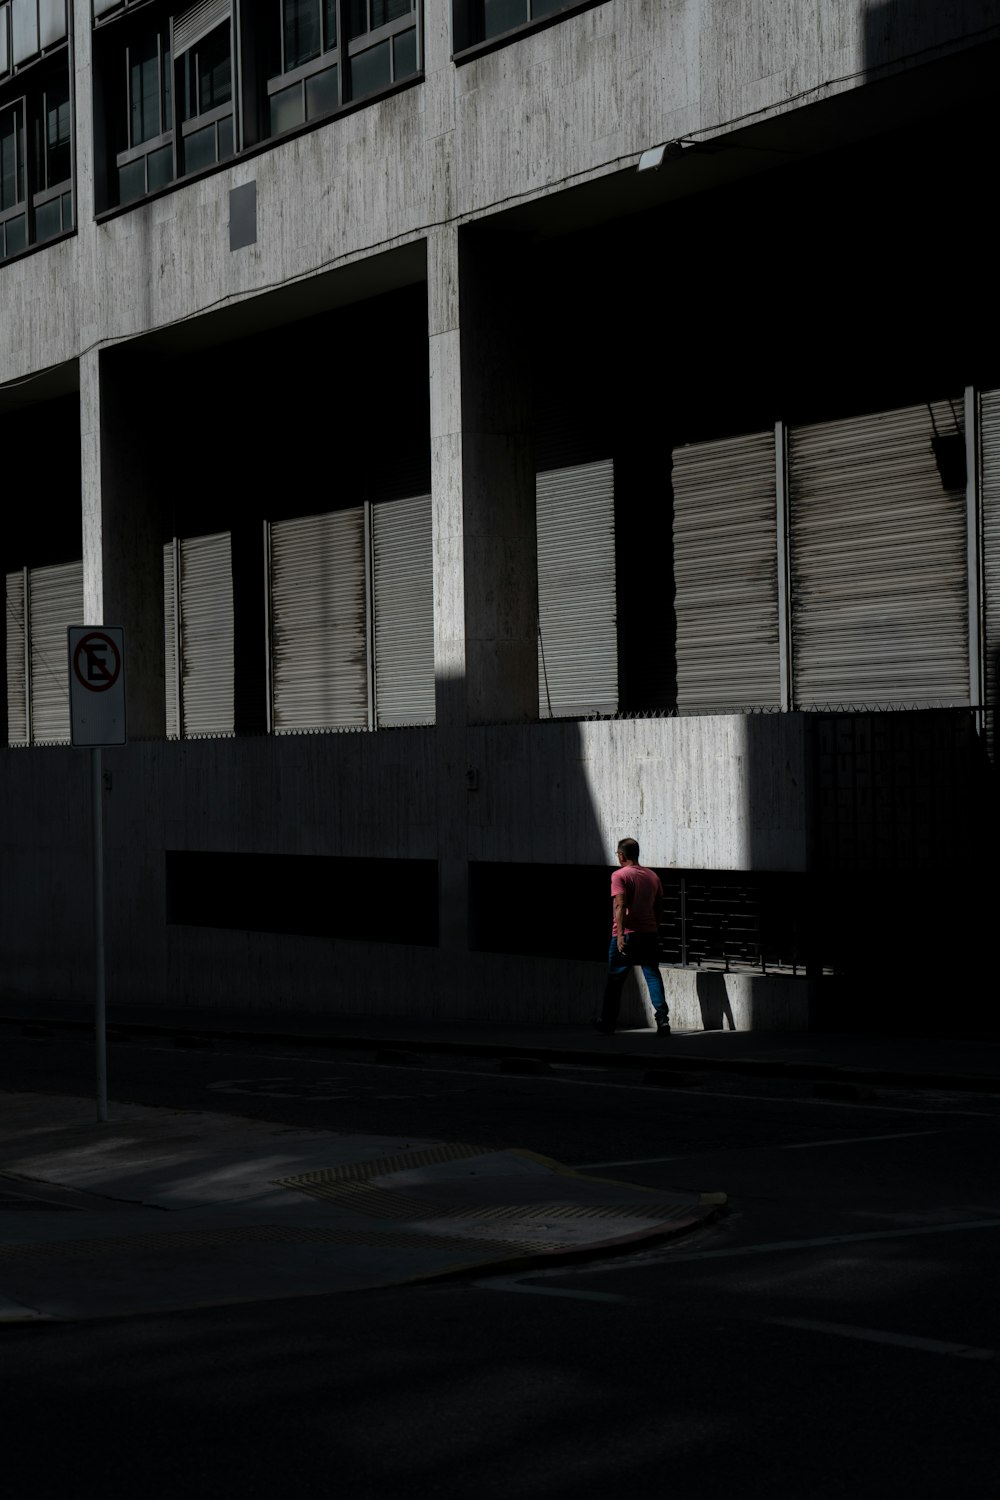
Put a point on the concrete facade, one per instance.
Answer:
(440, 185)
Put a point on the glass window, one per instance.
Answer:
(321, 93)
(57, 133)
(208, 78)
(286, 109)
(503, 15)
(11, 157)
(17, 234)
(371, 70)
(132, 181)
(301, 28)
(48, 219)
(199, 149)
(405, 53)
(159, 167)
(144, 89)
(4, 49)
(24, 19)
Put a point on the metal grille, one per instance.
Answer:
(206, 600)
(55, 602)
(878, 560)
(732, 921)
(577, 627)
(989, 411)
(170, 613)
(726, 574)
(318, 627)
(404, 611)
(17, 703)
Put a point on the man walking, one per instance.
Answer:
(637, 896)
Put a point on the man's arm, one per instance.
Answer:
(619, 902)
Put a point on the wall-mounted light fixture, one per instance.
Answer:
(669, 151)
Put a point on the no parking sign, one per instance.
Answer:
(97, 685)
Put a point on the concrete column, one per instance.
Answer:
(122, 527)
(445, 374)
(498, 482)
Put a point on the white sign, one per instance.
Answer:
(97, 685)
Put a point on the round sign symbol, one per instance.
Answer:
(97, 663)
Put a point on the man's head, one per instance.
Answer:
(628, 849)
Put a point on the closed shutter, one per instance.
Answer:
(17, 715)
(990, 454)
(404, 611)
(577, 625)
(878, 562)
(206, 612)
(726, 574)
(55, 602)
(319, 670)
(170, 685)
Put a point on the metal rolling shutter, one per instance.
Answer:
(989, 416)
(878, 563)
(170, 685)
(55, 601)
(726, 574)
(17, 703)
(404, 611)
(578, 645)
(206, 613)
(318, 636)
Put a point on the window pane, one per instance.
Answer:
(132, 181)
(48, 220)
(168, 88)
(370, 71)
(389, 10)
(57, 132)
(52, 21)
(301, 26)
(16, 234)
(215, 82)
(144, 90)
(356, 17)
(501, 15)
(226, 138)
(321, 93)
(405, 53)
(4, 53)
(329, 24)
(11, 170)
(199, 149)
(24, 27)
(545, 7)
(67, 210)
(160, 167)
(286, 109)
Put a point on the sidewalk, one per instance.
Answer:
(159, 1210)
(971, 1063)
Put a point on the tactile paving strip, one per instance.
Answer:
(381, 1166)
(261, 1234)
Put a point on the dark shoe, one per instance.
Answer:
(604, 1027)
(662, 1026)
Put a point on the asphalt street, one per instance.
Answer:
(836, 1333)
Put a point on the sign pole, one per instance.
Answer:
(100, 1022)
(97, 718)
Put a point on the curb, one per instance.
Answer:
(974, 1083)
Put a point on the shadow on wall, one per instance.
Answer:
(713, 999)
(894, 29)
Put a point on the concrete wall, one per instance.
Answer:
(575, 101)
(552, 794)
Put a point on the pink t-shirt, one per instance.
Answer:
(640, 887)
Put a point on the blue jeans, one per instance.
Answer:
(642, 949)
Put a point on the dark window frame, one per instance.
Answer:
(254, 85)
(468, 31)
(27, 89)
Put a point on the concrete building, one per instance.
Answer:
(501, 426)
